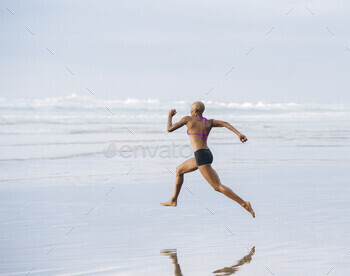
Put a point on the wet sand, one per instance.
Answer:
(98, 225)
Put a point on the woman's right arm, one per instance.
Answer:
(218, 123)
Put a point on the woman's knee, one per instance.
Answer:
(179, 171)
(218, 187)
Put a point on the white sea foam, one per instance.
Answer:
(75, 101)
(76, 114)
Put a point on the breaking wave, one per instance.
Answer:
(76, 102)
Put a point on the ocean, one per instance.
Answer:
(81, 181)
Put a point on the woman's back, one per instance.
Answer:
(198, 129)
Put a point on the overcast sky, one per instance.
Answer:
(177, 50)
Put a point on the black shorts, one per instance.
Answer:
(203, 156)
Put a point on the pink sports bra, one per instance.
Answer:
(205, 134)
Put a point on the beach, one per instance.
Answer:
(82, 180)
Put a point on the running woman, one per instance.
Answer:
(198, 130)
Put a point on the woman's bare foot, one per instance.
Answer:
(169, 203)
(246, 205)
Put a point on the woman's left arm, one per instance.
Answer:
(171, 127)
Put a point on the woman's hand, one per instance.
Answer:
(242, 137)
(172, 112)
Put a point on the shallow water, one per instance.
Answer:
(71, 204)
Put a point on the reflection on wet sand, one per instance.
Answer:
(173, 256)
(233, 269)
(220, 272)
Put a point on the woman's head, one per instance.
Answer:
(197, 108)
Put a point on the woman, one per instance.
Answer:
(198, 130)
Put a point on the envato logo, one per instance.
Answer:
(146, 151)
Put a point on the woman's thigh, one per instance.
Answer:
(210, 175)
(189, 165)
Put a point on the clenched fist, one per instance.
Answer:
(172, 112)
(243, 138)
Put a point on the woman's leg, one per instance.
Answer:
(187, 166)
(212, 177)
